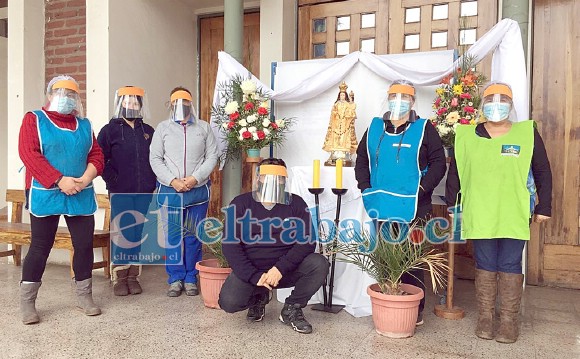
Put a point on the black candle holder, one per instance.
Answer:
(327, 306)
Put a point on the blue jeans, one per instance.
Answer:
(499, 255)
(190, 249)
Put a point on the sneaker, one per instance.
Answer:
(292, 315)
(191, 289)
(175, 289)
(419, 319)
(257, 312)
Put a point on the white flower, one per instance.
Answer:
(265, 104)
(231, 107)
(266, 132)
(248, 87)
(252, 129)
(243, 130)
(243, 122)
(266, 122)
(241, 138)
(255, 136)
(468, 117)
(281, 123)
(470, 103)
(225, 125)
(251, 118)
(442, 129)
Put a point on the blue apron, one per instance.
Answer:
(67, 151)
(395, 171)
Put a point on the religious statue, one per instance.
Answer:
(340, 138)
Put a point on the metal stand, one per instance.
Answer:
(327, 306)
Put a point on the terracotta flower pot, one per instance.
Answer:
(395, 316)
(211, 279)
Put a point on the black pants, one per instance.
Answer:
(43, 231)
(237, 295)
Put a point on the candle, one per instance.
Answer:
(339, 173)
(316, 174)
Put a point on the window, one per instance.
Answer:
(467, 36)
(367, 45)
(342, 48)
(343, 23)
(320, 25)
(468, 8)
(412, 42)
(367, 21)
(440, 12)
(319, 50)
(439, 39)
(412, 15)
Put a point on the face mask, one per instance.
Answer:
(404, 106)
(130, 114)
(66, 105)
(496, 112)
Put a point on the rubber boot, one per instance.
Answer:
(84, 290)
(510, 292)
(28, 293)
(485, 292)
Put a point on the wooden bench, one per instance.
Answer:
(17, 233)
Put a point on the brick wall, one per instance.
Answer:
(65, 40)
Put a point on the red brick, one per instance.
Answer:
(66, 50)
(54, 24)
(68, 14)
(48, 34)
(82, 30)
(76, 59)
(81, 78)
(50, 71)
(53, 42)
(83, 68)
(65, 32)
(48, 52)
(56, 61)
(69, 69)
(73, 3)
(76, 21)
(76, 40)
(54, 5)
(82, 11)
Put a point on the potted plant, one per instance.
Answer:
(394, 304)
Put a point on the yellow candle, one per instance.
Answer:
(339, 173)
(316, 174)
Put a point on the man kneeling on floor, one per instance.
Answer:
(271, 248)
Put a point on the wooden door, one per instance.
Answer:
(554, 252)
(212, 41)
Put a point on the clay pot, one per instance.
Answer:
(211, 279)
(395, 316)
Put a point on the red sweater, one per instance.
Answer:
(36, 164)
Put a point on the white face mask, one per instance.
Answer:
(496, 111)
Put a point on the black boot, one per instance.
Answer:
(292, 315)
(257, 311)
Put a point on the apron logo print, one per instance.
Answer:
(146, 136)
(510, 150)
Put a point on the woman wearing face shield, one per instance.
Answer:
(400, 161)
(125, 142)
(183, 154)
(500, 167)
(62, 157)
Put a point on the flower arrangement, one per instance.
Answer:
(457, 100)
(243, 116)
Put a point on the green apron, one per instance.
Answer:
(495, 201)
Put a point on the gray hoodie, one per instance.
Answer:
(179, 151)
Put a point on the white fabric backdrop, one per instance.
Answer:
(508, 65)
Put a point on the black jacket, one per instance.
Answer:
(431, 156)
(540, 170)
(126, 151)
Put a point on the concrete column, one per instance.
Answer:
(278, 29)
(25, 74)
(233, 42)
(518, 10)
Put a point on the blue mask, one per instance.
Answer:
(496, 111)
(66, 105)
(404, 106)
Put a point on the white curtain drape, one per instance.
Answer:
(508, 65)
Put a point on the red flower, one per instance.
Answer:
(441, 111)
(261, 135)
(231, 125)
(234, 116)
(447, 79)
(262, 111)
(454, 102)
(464, 121)
(437, 101)
(274, 125)
(469, 109)
(247, 135)
(249, 106)
(465, 95)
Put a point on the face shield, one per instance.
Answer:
(271, 185)
(400, 100)
(64, 98)
(130, 103)
(182, 107)
(497, 104)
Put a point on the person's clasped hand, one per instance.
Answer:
(68, 186)
(263, 283)
(178, 184)
(273, 277)
(190, 182)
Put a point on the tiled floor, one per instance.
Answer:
(152, 325)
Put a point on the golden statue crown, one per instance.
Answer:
(343, 86)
